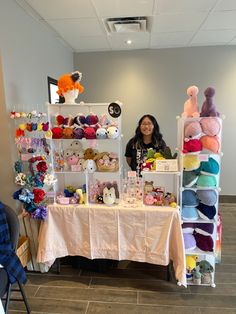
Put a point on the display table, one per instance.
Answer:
(142, 234)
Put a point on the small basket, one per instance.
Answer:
(108, 168)
(23, 250)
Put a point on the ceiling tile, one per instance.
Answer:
(225, 5)
(176, 39)
(54, 9)
(139, 41)
(220, 20)
(117, 8)
(183, 6)
(78, 27)
(92, 43)
(177, 22)
(213, 37)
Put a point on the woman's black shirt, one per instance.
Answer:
(139, 156)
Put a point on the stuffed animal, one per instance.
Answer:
(69, 86)
(80, 120)
(89, 153)
(149, 199)
(192, 130)
(76, 146)
(192, 146)
(208, 107)
(210, 126)
(206, 270)
(148, 187)
(210, 143)
(109, 196)
(78, 133)
(57, 132)
(191, 266)
(101, 133)
(191, 162)
(207, 197)
(112, 132)
(191, 105)
(166, 153)
(89, 166)
(67, 133)
(89, 133)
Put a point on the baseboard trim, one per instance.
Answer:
(227, 198)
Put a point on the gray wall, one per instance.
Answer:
(155, 81)
(29, 53)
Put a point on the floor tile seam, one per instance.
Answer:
(138, 290)
(88, 288)
(84, 300)
(188, 306)
(51, 298)
(133, 279)
(87, 307)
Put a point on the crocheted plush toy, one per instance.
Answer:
(208, 107)
(206, 271)
(191, 105)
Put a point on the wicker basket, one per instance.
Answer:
(23, 250)
(109, 164)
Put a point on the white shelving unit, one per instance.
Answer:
(78, 177)
(208, 196)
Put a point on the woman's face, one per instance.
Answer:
(146, 126)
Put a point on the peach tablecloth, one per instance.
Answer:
(143, 234)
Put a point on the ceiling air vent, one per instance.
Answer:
(127, 24)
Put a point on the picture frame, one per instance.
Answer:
(53, 97)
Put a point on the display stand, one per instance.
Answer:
(86, 155)
(199, 142)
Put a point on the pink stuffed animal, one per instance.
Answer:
(208, 107)
(191, 105)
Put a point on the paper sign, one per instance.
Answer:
(167, 165)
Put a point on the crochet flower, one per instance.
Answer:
(49, 179)
(38, 195)
(26, 196)
(40, 213)
(42, 166)
(30, 207)
(16, 194)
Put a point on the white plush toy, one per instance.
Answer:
(66, 154)
(112, 132)
(89, 166)
(76, 145)
(109, 196)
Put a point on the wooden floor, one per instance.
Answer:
(136, 287)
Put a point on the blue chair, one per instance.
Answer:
(5, 285)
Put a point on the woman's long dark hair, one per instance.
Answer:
(156, 135)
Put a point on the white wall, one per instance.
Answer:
(155, 81)
(29, 53)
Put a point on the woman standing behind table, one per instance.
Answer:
(147, 135)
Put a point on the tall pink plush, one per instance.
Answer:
(191, 105)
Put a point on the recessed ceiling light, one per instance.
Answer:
(128, 42)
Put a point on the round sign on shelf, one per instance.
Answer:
(114, 110)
